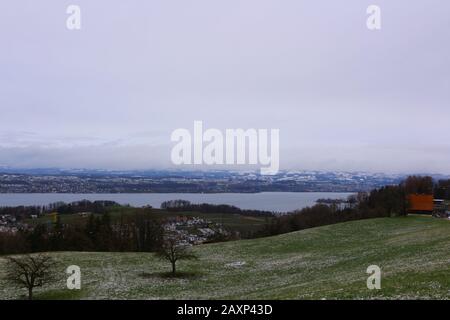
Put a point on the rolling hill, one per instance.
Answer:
(327, 262)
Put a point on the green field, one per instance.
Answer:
(326, 262)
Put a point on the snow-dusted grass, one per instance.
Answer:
(327, 262)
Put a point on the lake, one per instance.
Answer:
(270, 201)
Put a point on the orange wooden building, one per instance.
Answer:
(420, 203)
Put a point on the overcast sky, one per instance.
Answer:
(110, 95)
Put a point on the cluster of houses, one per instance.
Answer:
(8, 223)
(194, 230)
(427, 204)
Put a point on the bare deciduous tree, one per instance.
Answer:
(30, 271)
(172, 250)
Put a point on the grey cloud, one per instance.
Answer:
(110, 94)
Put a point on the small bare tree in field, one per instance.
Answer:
(30, 271)
(172, 250)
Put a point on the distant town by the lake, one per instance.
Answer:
(177, 181)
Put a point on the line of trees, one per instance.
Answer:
(24, 212)
(99, 233)
(442, 189)
(99, 206)
(184, 205)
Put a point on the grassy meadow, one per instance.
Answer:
(328, 262)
